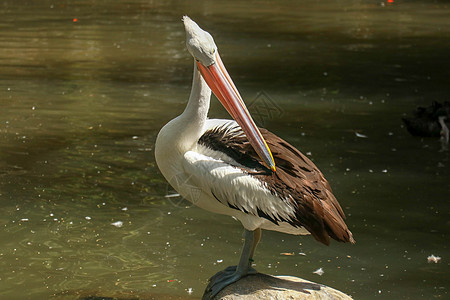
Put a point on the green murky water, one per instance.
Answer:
(85, 87)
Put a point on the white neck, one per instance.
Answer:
(196, 112)
(182, 133)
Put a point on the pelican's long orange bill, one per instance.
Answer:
(218, 79)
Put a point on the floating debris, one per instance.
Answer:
(360, 135)
(172, 195)
(433, 259)
(88, 218)
(190, 291)
(118, 224)
(287, 253)
(319, 271)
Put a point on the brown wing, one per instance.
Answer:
(296, 180)
(299, 179)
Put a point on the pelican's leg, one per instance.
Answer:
(234, 273)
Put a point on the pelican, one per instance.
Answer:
(234, 168)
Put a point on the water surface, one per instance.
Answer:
(85, 87)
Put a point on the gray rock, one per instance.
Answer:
(262, 286)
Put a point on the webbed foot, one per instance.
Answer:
(224, 278)
(234, 273)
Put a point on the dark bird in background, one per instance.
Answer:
(431, 121)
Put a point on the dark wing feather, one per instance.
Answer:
(296, 179)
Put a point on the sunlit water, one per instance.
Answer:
(85, 87)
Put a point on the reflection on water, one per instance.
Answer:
(86, 86)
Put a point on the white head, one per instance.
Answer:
(199, 43)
